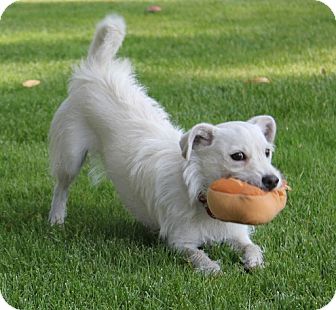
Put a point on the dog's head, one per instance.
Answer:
(241, 150)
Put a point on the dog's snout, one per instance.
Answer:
(270, 181)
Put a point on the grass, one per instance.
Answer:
(194, 57)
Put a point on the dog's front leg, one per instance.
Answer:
(201, 261)
(252, 253)
(252, 256)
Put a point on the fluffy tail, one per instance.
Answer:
(110, 33)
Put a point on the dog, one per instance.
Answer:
(159, 171)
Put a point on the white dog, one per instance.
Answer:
(159, 172)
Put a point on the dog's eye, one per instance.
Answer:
(238, 156)
(267, 152)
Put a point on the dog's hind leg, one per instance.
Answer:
(69, 144)
(58, 206)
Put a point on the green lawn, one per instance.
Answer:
(194, 57)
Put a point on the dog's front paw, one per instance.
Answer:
(203, 263)
(253, 257)
(56, 218)
(210, 268)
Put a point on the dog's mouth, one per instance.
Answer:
(250, 182)
(258, 184)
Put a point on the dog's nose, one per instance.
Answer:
(270, 181)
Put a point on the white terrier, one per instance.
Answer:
(159, 172)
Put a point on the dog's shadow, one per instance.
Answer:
(114, 233)
(107, 224)
(96, 228)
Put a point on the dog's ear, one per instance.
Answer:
(200, 135)
(267, 125)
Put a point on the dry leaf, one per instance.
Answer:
(323, 71)
(153, 9)
(260, 80)
(31, 83)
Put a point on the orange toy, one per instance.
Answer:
(232, 200)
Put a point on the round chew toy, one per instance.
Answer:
(232, 200)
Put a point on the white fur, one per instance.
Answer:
(157, 169)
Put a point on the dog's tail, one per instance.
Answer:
(109, 35)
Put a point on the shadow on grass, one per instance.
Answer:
(246, 40)
(108, 233)
(100, 223)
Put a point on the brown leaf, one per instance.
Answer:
(31, 83)
(260, 80)
(154, 9)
